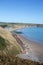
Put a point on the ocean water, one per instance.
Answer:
(33, 33)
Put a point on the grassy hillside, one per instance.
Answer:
(9, 48)
(2, 43)
(8, 44)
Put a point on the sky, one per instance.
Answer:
(21, 11)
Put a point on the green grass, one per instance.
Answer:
(2, 44)
(13, 51)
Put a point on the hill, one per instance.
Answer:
(9, 48)
(8, 44)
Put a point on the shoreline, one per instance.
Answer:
(32, 50)
(18, 40)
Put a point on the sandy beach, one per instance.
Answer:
(31, 50)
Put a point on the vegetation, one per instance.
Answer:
(8, 43)
(14, 25)
(9, 48)
(2, 43)
(3, 26)
(5, 60)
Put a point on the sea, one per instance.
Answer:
(33, 34)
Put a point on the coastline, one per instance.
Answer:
(18, 41)
(31, 50)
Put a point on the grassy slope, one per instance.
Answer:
(8, 43)
(2, 45)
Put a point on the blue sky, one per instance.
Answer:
(23, 11)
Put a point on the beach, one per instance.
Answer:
(31, 50)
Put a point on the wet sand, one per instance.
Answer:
(31, 50)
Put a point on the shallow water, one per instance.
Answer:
(33, 34)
